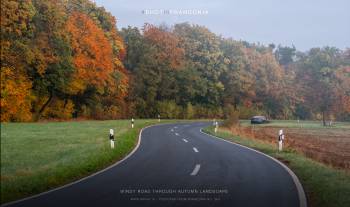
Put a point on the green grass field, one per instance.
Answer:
(325, 186)
(36, 157)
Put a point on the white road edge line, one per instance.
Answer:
(185, 140)
(87, 177)
(196, 169)
(300, 189)
(195, 149)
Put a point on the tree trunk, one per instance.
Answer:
(44, 106)
(323, 118)
(65, 103)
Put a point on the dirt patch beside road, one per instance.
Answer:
(326, 145)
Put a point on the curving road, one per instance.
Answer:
(178, 165)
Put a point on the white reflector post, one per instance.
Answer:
(280, 140)
(111, 137)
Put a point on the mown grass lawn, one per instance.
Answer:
(324, 186)
(36, 157)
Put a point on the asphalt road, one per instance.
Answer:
(177, 165)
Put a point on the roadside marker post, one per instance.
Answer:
(111, 137)
(216, 126)
(300, 124)
(158, 118)
(132, 122)
(280, 140)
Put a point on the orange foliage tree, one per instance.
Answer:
(58, 57)
(16, 30)
(92, 53)
(15, 96)
(100, 75)
(167, 45)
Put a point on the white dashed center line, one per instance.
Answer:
(172, 130)
(185, 140)
(195, 170)
(195, 149)
(176, 134)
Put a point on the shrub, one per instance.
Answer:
(189, 111)
(169, 109)
(59, 109)
(231, 116)
(248, 112)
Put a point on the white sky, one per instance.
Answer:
(304, 23)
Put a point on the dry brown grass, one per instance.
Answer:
(327, 145)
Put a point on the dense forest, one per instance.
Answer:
(67, 59)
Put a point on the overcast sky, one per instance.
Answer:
(304, 23)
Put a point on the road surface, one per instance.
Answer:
(178, 165)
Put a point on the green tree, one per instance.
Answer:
(285, 55)
(202, 53)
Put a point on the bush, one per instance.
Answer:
(111, 112)
(169, 109)
(215, 113)
(248, 112)
(200, 111)
(231, 116)
(59, 109)
(189, 111)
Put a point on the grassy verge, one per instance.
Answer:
(36, 157)
(324, 186)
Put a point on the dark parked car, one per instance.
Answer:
(258, 120)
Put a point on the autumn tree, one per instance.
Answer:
(15, 96)
(67, 59)
(319, 75)
(16, 33)
(342, 91)
(166, 44)
(49, 70)
(92, 54)
(52, 65)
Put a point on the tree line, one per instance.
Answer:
(66, 59)
(60, 60)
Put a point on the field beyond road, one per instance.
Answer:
(36, 157)
(329, 145)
